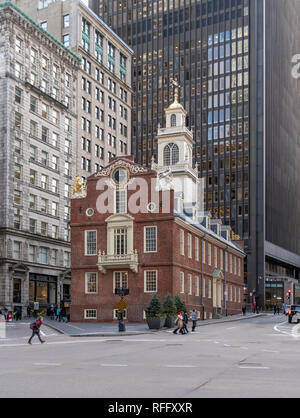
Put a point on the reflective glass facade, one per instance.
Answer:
(205, 46)
(233, 59)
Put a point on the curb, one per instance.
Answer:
(130, 333)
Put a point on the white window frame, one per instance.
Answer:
(145, 281)
(203, 287)
(190, 284)
(87, 277)
(85, 315)
(196, 285)
(209, 288)
(203, 252)
(196, 248)
(125, 201)
(182, 282)
(181, 242)
(145, 238)
(209, 253)
(121, 279)
(189, 244)
(115, 313)
(216, 257)
(85, 242)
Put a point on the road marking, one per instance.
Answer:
(254, 367)
(81, 341)
(114, 365)
(179, 365)
(47, 364)
(270, 351)
(231, 328)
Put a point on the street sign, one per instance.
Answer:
(121, 291)
(121, 305)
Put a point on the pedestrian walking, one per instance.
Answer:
(179, 323)
(185, 322)
(275, 309)
(244, 310)
(58, 311)
(35, 326)
(194, 319)
(18, 313)
(52, 312)
(28, 311)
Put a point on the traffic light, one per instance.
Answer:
(289, 294)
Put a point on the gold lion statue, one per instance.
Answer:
(78, 186)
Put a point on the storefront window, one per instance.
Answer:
(42, 289)
(42, 292)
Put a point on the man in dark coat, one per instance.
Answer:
(35, 326)
(185, 322)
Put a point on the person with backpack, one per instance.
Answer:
(185, 322)
(35, 326)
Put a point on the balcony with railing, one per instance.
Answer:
(113, 261)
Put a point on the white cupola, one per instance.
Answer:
(175, 153)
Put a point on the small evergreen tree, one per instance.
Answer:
(154, 308)
(180, 306)
(168, 306)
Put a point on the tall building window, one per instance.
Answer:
(171, 154)
(91, 283)
(99, 46)
(181, 242)
(181, 282)
(66, 20)
(85, 26)
(150, 239)
(150, 284)
(43, 255)
(173, 120)
(120, 280)
(120, 201)
(120, 241)
(123, 61)
(90, 242)
(189, 243)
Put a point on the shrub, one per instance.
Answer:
(168, 306)
(154, 308)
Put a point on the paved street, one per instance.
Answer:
(256, 357)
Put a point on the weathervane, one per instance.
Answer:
(176, 86)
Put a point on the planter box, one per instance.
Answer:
(170, 322)
(155, 323)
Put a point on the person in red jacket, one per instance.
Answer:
(35, 326)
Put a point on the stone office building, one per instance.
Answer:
(142, 229)
(38, 124)
(104, 81)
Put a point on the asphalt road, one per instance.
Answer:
(252, 358)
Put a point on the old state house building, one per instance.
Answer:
(144, 229)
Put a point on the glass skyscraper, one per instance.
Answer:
(229, 56)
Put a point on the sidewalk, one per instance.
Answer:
(96, 329)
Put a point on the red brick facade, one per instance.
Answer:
(176, 273)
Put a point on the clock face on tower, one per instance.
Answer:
(120, 176)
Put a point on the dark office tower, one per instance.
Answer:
(232, 59)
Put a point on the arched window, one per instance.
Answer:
(173, 120)
(171, 154)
